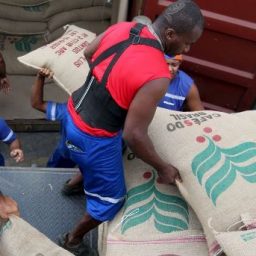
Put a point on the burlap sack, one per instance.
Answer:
(14, 46)
(72, 4)
(24, 2)
(64, 5)
(44, 11)
(215, 153)
(96, 13)
(155, 219)
(242, 242)
(12, 27)
(238, 243)
(101, 2)
(64, 57)
(20, 13)
(249, 220)
(19, 238)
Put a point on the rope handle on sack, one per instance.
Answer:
(233, 225)
(246, 225)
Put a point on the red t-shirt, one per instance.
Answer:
(138, 65)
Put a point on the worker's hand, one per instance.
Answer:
(169, 174)
(7, 207)
(45, 72)
(17, 155)
(5, 85)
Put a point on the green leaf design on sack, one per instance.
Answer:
(24, 44)
(204, 161)
(231, 162)
(146, 201)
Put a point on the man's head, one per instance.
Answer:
(173, 63)
(179, 26)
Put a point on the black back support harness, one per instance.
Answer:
(92, 101)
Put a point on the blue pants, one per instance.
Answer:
(57, 159)
(100, 161)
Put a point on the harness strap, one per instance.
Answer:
(107, 53)
(120, 51)
(94, 95)
(135, 31)
(134, 38)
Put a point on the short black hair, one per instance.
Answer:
(182, 16)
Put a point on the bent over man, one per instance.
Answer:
(128, 77)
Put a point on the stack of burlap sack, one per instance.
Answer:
(26, 25)
(216, 155)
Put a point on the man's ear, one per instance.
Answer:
(170, 34)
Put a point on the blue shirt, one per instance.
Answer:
(6, 133)
(177, 92)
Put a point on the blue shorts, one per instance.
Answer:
(100, 161)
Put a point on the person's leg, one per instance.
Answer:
(86, 224)
(71, 186)
(75, 180)
(57, 160)
(100, 160)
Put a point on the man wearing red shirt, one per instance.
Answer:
(128, 77)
